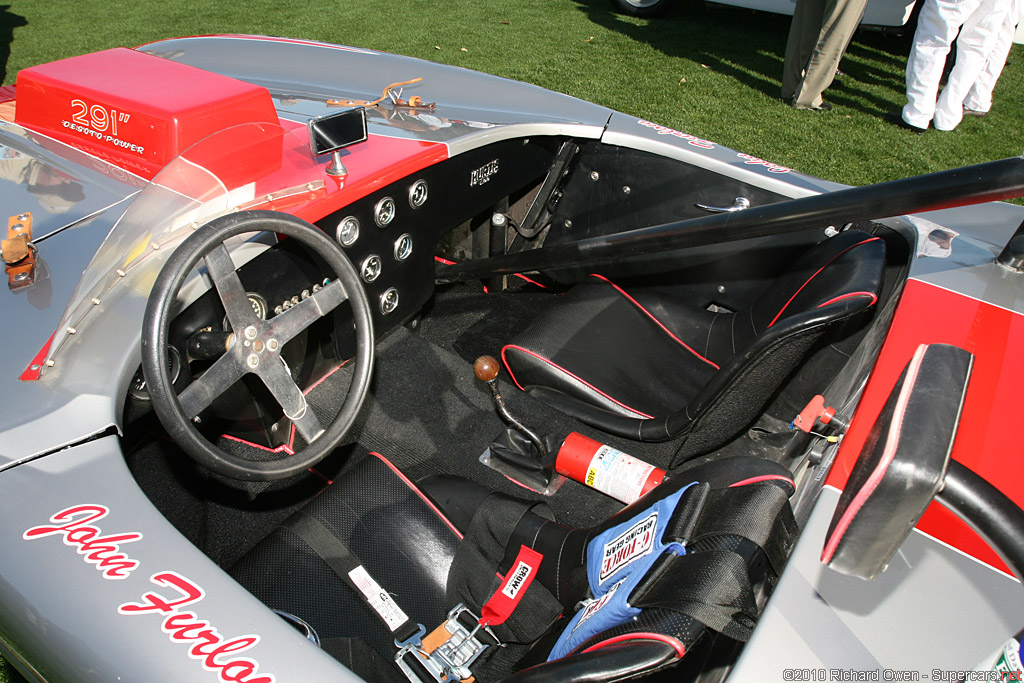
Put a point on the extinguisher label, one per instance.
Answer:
(631, 544)
(617, 474)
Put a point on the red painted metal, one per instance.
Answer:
(986, 441)
(133, 109)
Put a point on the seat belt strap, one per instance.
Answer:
(348, 567)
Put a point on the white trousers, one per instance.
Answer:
(937, 26)
(980, 96)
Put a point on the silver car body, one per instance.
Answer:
(74, 612)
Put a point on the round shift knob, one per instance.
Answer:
(486, 368)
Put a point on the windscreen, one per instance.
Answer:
(251, 166)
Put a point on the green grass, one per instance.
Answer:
(712, 72)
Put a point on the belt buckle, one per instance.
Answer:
(451, 660)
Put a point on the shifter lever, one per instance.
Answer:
(486, 369)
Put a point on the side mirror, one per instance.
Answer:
(903, 464)
(332, 133)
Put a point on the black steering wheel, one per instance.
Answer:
(255, 346)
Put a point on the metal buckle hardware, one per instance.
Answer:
(451, 660)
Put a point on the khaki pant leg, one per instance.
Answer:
(803, 35)
(841, 19)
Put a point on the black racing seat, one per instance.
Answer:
(644, 366)
(729, 520)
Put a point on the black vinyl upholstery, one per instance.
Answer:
(406, 536)
(642, 365)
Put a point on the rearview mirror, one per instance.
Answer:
(332, 133)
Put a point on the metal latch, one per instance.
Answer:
(19, 254)
(449, 661)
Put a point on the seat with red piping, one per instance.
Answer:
(642, 365)
(410, 546)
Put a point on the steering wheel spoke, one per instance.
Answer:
(229, 288)
(287, 325)
(198, 395)
(277, 378)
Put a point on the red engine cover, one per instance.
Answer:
(133, 109)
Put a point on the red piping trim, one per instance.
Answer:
(419, 493)
(444, 261)
(872, 239)
(636, 303)
(317, 383)
(561, 369)
(519, 483)
(851, 294)
(765, 477)
(891, 442)
(289, 447)
(532, 282)
(676, 645)
(283, 448)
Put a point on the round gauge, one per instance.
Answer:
(348, 231)
(384, 212)
(370, 268)
(418, 194)
(138, 390)
(403, 247)
(389, 301)
(259, 305)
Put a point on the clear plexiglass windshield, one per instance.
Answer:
(255, 165)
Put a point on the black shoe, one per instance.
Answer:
(896, 119)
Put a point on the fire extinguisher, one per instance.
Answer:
(609, 470)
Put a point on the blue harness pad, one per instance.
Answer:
(617, 560)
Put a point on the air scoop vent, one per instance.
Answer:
(133, 109)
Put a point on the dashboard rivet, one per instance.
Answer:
(253, 360)
(305, 294)
(626, 189)
(594, 175)
(250, 332)
(272, 344)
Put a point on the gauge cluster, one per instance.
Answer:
(391, 234)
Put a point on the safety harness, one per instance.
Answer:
(677, 567)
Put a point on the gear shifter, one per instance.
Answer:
(486, 369)
(520, 453)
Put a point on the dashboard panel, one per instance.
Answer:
(390, 235)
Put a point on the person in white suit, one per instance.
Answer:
(979, 23)
(979, 99)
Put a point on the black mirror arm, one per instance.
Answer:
(988, 511)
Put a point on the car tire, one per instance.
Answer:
(642, 8)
